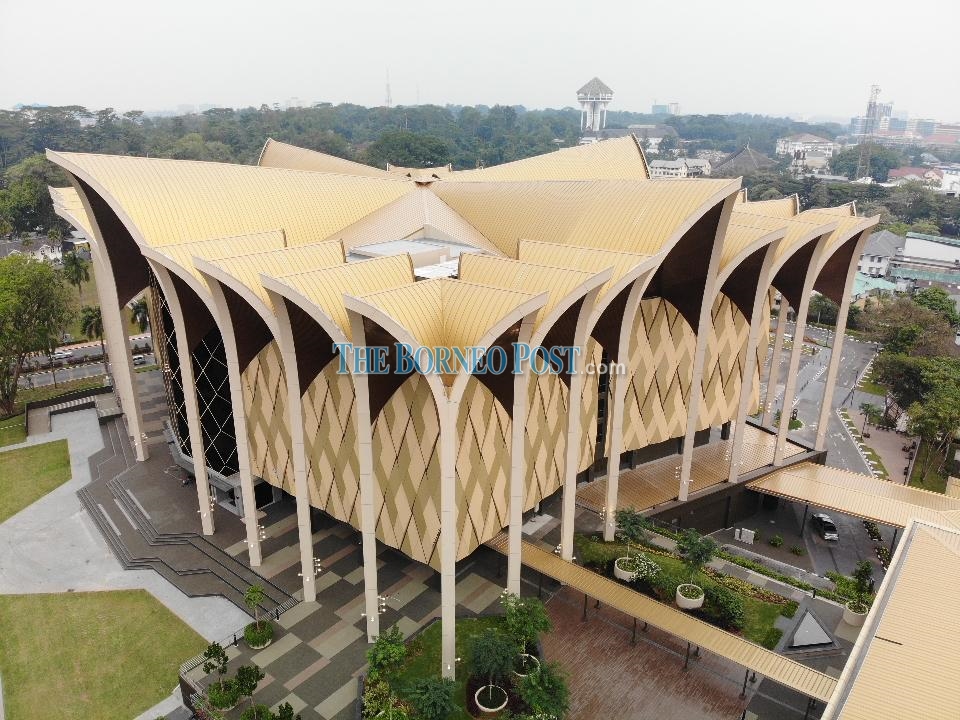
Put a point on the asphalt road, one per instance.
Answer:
(854, 544)
(41, 378)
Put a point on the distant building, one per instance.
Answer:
(865, 286)
(594, 98)
(648, 135)
(880, 249)
(928, 176)
(807, 143)
(669, 168)
(745, 160)
(925, 261)
(665, 109)
(698, 167)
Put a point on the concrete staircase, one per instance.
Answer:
(188, 560)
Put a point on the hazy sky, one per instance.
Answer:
(807, 58)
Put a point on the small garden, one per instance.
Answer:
(683, 578)
(225, 693)
(500, 672)
(29, 473)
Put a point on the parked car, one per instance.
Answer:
(825, 526)
(139, 360)
(61, 354)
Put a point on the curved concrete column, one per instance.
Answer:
(521, 384)
(189, 396)
(773, 377)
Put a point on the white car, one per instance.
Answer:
(61, 354)
(139, 360)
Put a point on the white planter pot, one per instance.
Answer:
(852, 618)
(528, 657)
(620, 574)
(260, 647)
(685, 602)
(483, 692)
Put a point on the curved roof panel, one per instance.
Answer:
(174, 201)
(68, 205)
(617, 159)
(628, 216)
(278, 154)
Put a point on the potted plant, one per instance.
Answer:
(259, 633)
(631, 568)
(696, 551)
(493, 654)
(855, 611)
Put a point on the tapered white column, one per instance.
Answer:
(773, 377)
(791, 385)
(571, 458)
(448, 410)
(298, 453)
(191, 407)
(704, 328)
(833, 369)
(518, 480)
(368, 528)
(618, 389)
(758, 324)
(234, 373)
(118, 348)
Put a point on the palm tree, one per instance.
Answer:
(139, 313)
(76, 270)
(91, 325)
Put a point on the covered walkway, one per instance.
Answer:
(788, 672)
(657, 482)
(858, 495)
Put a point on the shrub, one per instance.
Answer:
(258, 635)
(223, 694)
(432, 698)
(546, 691)
(664, 584)
(776, 541)
(798, 551)
(644, 567)
(285, 712)
(387, 654)
(862, 575)
(257, 712)
(726, 606)
(873, 530)
(380, 702)
(883, 555)
(525, 619)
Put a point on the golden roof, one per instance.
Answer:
(560, 284)
(325, 288)
(617, 159)
(68, 205)
(247, 269)
(168, 202)
(277, 154)
(906, 662)
(785, 207)
(632, 216)
(740, 241)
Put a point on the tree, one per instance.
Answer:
(407, 149)
(253, 598)
(938, 300)
(871, 413)
(91, 325)
(140, 313)
(33, 313)
(825, 309)
(432, 697)
(493, 654)
(632, 525)
(247, 679)
(387, 653)
(862, 577)
(936, 420)
(546, 691)
(904, 327)
(882, 161)
(215, 658)
(695, 549)
(76, 270)
(285, 712)
(525, 619)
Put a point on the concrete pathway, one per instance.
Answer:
(53, 546)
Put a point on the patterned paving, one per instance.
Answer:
(657, 482)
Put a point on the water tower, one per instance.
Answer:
(594, 98)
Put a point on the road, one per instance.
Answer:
(80, 351)
(854, 544)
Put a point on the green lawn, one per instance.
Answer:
(870, 385)
(934, 481)
(46, 392)
(90, 655)
(12, 430)
(423, 658)
(29, 473)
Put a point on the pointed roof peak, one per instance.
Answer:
(595, 87)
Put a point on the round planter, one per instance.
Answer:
(536, 662)
(853, 618)
(260, 647)
(621, 574)
(685, 602)
(490, 710)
